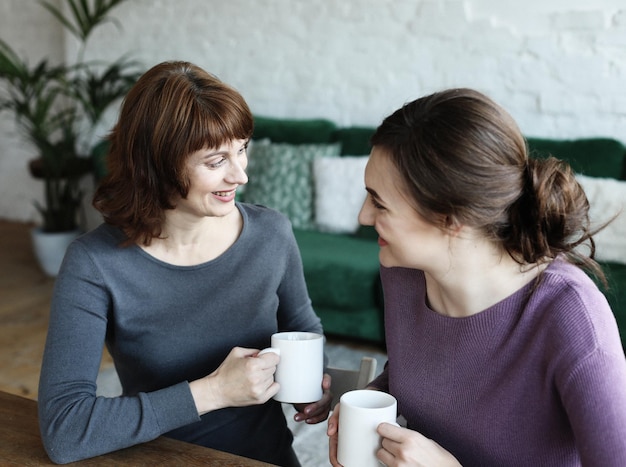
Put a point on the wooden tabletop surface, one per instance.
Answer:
(20, 444)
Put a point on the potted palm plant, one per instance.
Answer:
(58, 107)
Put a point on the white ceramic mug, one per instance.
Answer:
(361, 412)
(301, 367)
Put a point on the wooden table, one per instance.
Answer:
(20, 444)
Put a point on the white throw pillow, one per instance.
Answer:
(339, 192)
(607, 197)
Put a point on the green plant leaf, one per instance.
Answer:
(56, 105)
(84, 19)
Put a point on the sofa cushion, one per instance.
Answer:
(341, 271)
(294, 131)
(339, 192)
(607, 198)
(281, 177)
(596, 157)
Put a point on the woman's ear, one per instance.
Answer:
(453, 225)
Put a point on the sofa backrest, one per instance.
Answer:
(594, 157)
(293, 131)
(354, 141)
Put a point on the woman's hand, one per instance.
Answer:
(402, 447)
(317, 411)
(244, 378)
(332, 432)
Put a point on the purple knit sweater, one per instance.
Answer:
(538, 379)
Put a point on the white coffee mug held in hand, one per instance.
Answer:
(301, 367)
(361, 412)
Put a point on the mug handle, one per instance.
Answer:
(275, 350)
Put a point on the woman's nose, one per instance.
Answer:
(365, 214)
(237, 173)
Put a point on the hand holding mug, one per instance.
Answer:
(302, 353)
(239, 381)
(398, 446)
(300, 370)
(401, 446)
(316, 412)
(354, 439)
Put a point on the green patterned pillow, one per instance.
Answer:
(281, 177)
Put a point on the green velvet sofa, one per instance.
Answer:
(342, 269)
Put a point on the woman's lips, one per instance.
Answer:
(381, 242)
(225, 196)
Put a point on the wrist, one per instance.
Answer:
(206, 394)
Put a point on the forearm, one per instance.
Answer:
(74, 423)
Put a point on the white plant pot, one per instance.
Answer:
(50, 248)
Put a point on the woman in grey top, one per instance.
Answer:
(183, 285)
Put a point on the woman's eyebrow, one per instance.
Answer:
(214, 153)
(372, 192)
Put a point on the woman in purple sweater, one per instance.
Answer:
(502, 351)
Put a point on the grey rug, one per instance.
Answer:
(310, 441)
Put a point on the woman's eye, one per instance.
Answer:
(376, 204)
(216, 163)
(243, 149)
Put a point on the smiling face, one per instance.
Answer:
(406, 239)
(214, 175)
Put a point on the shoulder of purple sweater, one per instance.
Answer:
(579, 311)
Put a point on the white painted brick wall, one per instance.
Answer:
(559, 66)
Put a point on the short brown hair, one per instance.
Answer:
(174, 109)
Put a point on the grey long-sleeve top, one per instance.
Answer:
(164, 326)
